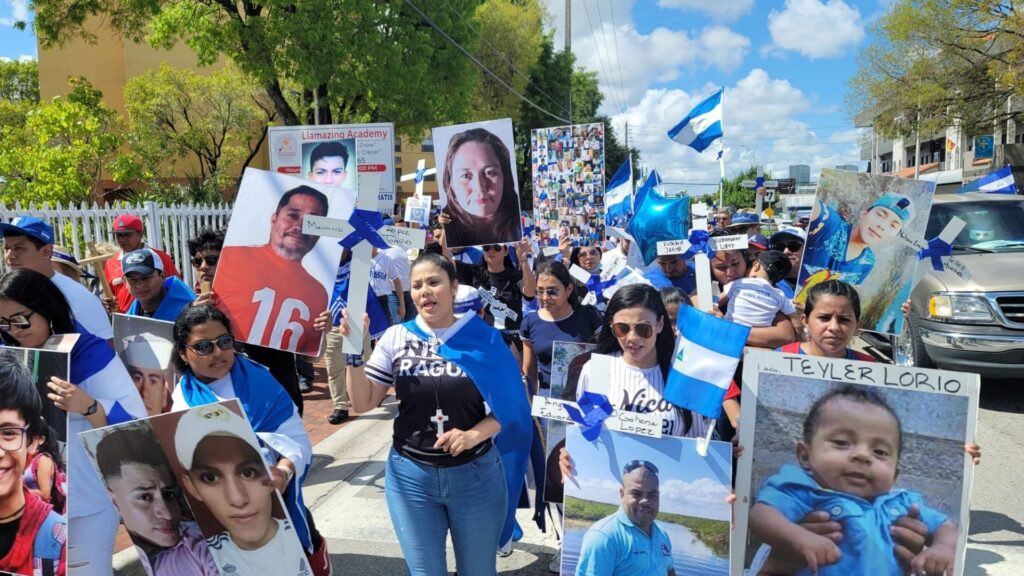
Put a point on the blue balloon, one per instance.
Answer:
(657, 219)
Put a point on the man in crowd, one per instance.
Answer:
(629, 541)
(270, 298)
(673, 270)
(154, 295)
(744, 223)
(790, 241)
(142, 487)
(128, 233)
(28, 243)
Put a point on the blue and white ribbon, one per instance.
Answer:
(365, 224)
(594, 410)
(700, 241)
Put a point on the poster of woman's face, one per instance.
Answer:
(479, 187)
(857, 234)
(862, 445)
(660, 486)
(146, 347)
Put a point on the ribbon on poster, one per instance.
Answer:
(365, 224)
(597, 286)
(593, 410)
(936, 250)
(699, 242)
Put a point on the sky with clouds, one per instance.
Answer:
(784, 65)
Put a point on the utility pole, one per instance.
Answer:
(568, 50)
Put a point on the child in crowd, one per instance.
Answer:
(849, 459)
(45, 475)
(754, 301)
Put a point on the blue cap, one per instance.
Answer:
(744, 219)
(759, 241)
(898, 204)
(29, 226)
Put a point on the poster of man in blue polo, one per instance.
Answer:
(859, 232)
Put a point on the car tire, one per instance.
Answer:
(909, 349)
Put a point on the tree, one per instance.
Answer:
(733, 192)
(351, 60)
(509, 44)
(19, 81)
(939, 63)
(215, 122)
(60, 151)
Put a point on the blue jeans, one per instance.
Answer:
(393, 308)
(425, 502)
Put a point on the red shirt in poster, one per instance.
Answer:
(271, 302)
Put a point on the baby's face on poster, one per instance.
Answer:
(855, 449)
(477, 179)
(146, 498)
(229, 477)
(879, 225)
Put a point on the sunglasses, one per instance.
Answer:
(205, 347)
(124, 234)
(640, 464)
(493, 247)
(19, 321)
(621, 330)
(210, 261)
(551, 292)
(793, 246)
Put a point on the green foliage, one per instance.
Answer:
(354, 60)
(209, 126)
(59, 150)
(19, 81)
(509, 44)
(733, 193)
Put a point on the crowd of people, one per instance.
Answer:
(468, 341)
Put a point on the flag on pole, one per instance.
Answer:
(998, 182)
(707, 352)
(653, 180)
(618, 201)
(702, 126)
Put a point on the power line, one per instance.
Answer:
(607, 51)
(480, 64)
(601, 60)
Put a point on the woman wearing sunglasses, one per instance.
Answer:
(211, 372)
(508, 286)
(100, 392)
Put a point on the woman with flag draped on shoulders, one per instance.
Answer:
(99, 392)
(463, 431)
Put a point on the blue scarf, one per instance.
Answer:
(267, 406)
(177, 297)
(89, 357)
(482, 353)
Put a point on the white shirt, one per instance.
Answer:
(282, 555)
(401, 259)
(755, 302)
(383, 274)
(85, 306)
(642, 390)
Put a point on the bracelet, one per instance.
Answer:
(354, 360)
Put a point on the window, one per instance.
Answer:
(427, 144)
(398, 146)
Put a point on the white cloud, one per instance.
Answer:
(718, 9)
(815, 29)
(703, 497)
(723, 48)
(19, 13)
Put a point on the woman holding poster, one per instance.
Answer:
(479, 185)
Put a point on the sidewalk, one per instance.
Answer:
(345, 491)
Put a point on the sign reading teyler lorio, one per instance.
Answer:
(868, 445)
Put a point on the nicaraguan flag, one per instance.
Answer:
(998, 182)
(707, 353)
(652, 182)
(618, 201)
(702, 126)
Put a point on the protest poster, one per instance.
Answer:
(567, 359)
(273, 280)
(568, 169)
(417, 209)
(862, 442)
(193, 465)
(146, 347)
(369, 148)
(479, 188)
(861, 231)
(622, 479)
(26, 373)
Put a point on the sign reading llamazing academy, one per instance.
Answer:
(291, 146)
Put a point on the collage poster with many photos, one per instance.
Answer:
(568, 183)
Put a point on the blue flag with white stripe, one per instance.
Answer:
(702, 126)
(998, 182)
(707, 352)
(618, 201)
(339, 299)
(653, 180)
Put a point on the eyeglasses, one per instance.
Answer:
(640, 464)
(793, 246)
(210, 261)
(205, 347)
(124, 234)
(12, 439)
(621, 330)
(19, 321)
(493, 247)
(550, 292)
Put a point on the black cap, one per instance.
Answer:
(776, 264)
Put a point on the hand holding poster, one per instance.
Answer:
(568, 183)
(861, 442)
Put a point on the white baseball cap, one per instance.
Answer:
(209, 420)
(148, 351)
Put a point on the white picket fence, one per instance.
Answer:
(167, 228)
